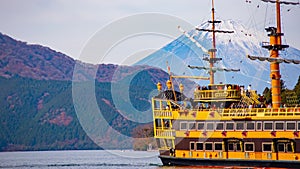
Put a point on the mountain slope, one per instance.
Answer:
(39, 109)
(232, 48)
(31, 121)
(33, 61)
(42, 63)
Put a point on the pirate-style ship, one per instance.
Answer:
(225, 124)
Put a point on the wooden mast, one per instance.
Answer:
(274, 47)
(212, 52)
(275, 40)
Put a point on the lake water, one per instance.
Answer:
(85, 159)
(82, 159)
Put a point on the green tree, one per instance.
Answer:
(283, 92)
(267, 95)
(297, 88)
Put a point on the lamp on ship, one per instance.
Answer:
(169, 84)
(181, 88)
(159, 86)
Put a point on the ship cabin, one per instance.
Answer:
(223, 122)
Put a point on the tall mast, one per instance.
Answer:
(212, 52)
(275, 40)
(278, 20)
(274, 46)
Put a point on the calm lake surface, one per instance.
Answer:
(86, 159)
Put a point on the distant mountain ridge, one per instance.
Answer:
(232, 48)
(34, 61)
(42, 63)
(37, 106)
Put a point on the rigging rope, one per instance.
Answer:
(282, 2)
(266, 15)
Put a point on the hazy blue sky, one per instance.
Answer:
(67, 25)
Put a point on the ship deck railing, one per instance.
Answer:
(164, 133)
(217, 94)
(260, 112)
(168, 108)
(162, 113)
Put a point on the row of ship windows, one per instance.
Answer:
(237, 147)
(242, 126)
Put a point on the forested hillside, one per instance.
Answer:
(37, 110)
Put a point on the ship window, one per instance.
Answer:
(267, 147)
(218, 147)
(200, 126)
(234, 146)
(249, 147)
(183, 125)
(279, 126)
(289, 147)
(158, 123)
(166, 123)
(250, 125)
(230, 147)
(208, 146)
(199, 146)
(291, 125)
(219, 126)
(209, 126)
(258, 126)
(192, 126)
(164, 105)
(240, 126)
(268, 125)
(156, 105)
(280, 147)
(238, 147)
(192, 145)
(229, 126)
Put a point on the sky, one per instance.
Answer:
(68, 26)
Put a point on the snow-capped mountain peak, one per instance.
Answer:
(241, 36)
(232, 48)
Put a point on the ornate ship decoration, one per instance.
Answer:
(226, 124)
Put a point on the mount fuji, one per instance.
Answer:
(232, 48)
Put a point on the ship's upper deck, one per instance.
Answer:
(218, 92)
(163, 108)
